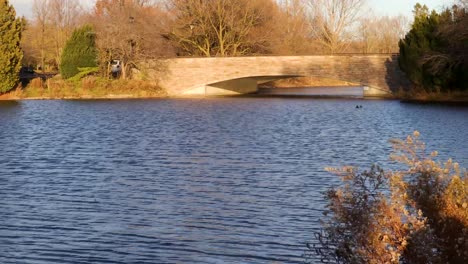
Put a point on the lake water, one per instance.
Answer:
(357, 91)
(222, 180)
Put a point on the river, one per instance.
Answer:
(221, 180)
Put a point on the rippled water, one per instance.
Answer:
(229, 180)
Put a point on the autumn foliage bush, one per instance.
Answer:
(415, 215)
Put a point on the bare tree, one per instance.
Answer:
(219, 27)
(53, 23)
(333, 21)
(129, 31)
(41, 14)
(64, 18)
(463, 3)
(294, 30)
(376, 40)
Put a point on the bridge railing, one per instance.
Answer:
(296, 55)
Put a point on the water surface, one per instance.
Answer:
(227, 180)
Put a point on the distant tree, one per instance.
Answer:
(463, 3)
(52, 25)
(333, 22)
(79, 52)
(10, 50)
(64, 17)
(40, 31)
(293, 36)
(376, 40)
(130, 31)
(222, 27)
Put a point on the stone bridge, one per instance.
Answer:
(378, 74)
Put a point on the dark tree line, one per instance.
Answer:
(434, 53)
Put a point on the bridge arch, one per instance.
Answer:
(239, 75)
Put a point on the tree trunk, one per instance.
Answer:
(123, 73)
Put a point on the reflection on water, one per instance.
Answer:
(8, 110)
(189, 181)
(345, 91)
(5, 104)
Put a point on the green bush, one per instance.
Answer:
(433, 53)
(83, 72)
(79, 52)
(10, 50)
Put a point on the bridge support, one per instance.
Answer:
(231, 87)
(370, 91)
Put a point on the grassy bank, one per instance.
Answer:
(86, 88)
(93, 87)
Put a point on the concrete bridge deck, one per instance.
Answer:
(241, 75)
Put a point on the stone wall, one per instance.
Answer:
(181, 76)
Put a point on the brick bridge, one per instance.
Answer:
(379, 74)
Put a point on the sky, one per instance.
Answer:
(24, 7)
(382, 7)
(405, 7)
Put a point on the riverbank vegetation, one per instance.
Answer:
(126, 33)
(418, 214)
(89, 87)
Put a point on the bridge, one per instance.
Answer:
(379, 74)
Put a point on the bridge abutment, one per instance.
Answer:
(231, 87)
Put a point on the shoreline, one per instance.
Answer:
(166, 96)
(452, 101)
(107, 97)
(457, 98)
(456, 102)
(460, 98)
